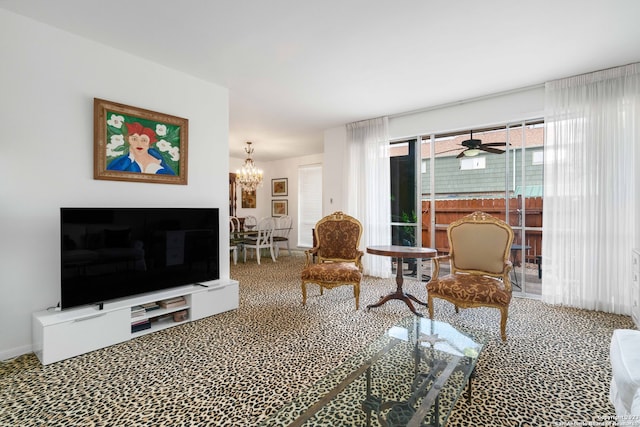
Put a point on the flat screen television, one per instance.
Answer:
(109, 253)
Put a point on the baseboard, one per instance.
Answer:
(6, 355)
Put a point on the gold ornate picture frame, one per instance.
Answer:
(134, 144)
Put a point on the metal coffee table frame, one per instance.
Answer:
(411, 376)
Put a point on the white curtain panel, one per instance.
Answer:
(369, 189)
(590, 197)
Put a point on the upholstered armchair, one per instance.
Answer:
(338, 256)
(479, 247)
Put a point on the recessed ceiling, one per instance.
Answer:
(295, 68)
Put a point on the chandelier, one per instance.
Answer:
(249, 176)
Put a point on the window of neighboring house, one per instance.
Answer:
(309, 202)
(473, 163)
(537, 157)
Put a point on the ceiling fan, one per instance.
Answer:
(475, 146)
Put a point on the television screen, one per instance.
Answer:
(109, 253)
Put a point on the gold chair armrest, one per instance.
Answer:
(506, 277)
(508, 266)
(358, 260)
(309, 255)
(436, 261)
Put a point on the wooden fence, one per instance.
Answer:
(448, 211)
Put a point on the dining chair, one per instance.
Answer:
(236, 223)
(250, 222)
(281, 233)
(233, 246)
(263, 239)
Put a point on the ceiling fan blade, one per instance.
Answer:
(460, 155)
(490, 150)
(494, 144)
(448, 151)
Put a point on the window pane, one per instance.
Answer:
(403, 191)
(310, 202)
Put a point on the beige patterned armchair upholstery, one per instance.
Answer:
(479, 246)
(338, 257)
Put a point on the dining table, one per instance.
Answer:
(237, 238)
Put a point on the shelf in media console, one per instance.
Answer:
(159, 313)
(51, 317)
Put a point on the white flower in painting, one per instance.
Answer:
(163, 145)
(115, 121)
(166, 147)
(115, 145)
(161, 130)
(112, 153)
(175, 153)
(116, 141)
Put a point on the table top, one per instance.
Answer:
(402, 251)
(393, 381)
(254, 232)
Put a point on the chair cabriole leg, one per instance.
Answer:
(304, 293)
(503, 323)
(430, 304)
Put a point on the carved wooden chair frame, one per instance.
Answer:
(467, 285)
(341, 264)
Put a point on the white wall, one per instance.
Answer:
(285, 168)
(333, 179)
(49, 79)
(491, 110)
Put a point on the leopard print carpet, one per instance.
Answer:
(239, 368)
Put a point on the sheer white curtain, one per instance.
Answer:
(590, 219)
(369, 189)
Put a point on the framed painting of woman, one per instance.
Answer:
(134, 144)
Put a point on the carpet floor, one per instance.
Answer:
(240, 367)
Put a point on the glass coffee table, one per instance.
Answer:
(410, 376)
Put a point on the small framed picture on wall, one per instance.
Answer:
(279, 207)
(279, 187)
(248, 199)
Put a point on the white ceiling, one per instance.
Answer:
(297, 67)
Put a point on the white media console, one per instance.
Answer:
(59, 335)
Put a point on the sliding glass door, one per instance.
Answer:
(436, 179)
(525, 178)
